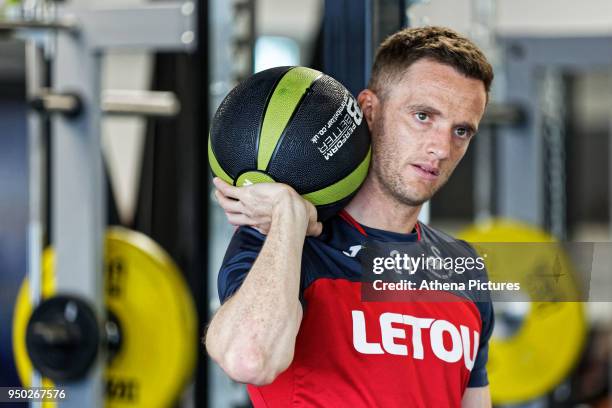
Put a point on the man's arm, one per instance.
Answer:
(477, 394)
(252, 335)
(478, 397)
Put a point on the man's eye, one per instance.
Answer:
(462, 132)
(422, 116)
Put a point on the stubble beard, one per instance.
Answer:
(387, 172)
(392, 185)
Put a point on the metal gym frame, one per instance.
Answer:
(520, 188)
(78, 37)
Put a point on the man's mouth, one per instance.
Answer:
(426, 171)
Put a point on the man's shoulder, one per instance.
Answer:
(244, 239)
(431, 233)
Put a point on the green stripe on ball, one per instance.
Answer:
(216, 167)
(285, 99)
(342, 188)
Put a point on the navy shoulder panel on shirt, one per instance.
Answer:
(240, 256)
(327, 255)
(478, 376)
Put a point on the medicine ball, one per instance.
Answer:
(292, 125)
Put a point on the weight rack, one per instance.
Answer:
(76, 38)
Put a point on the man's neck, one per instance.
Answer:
(376, 208)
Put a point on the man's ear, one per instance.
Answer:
(369, 104)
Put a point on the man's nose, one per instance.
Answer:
(439, 143)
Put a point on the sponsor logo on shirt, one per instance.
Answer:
(395, 326)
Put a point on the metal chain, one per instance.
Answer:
(553, 114)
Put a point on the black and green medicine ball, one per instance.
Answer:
(292, 125)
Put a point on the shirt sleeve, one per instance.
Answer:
(478, 376)
(239, 258)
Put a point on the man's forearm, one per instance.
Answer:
(252, 336)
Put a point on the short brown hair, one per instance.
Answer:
(441, 44)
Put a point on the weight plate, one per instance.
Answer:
(156, 317)
(545, 347)
(63, 337)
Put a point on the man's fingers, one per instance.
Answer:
(238, 219)
(314, 230)
(252, 205)
(227, 189)
(229, 204)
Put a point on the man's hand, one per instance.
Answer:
(479, 397)
(255, 205)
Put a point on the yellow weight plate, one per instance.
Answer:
(543, 350)
(21, 316)
(157, 318)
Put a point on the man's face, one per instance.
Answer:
(422, 129)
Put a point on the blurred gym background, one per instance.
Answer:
(542, 156)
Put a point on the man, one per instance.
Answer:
(292, 324)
